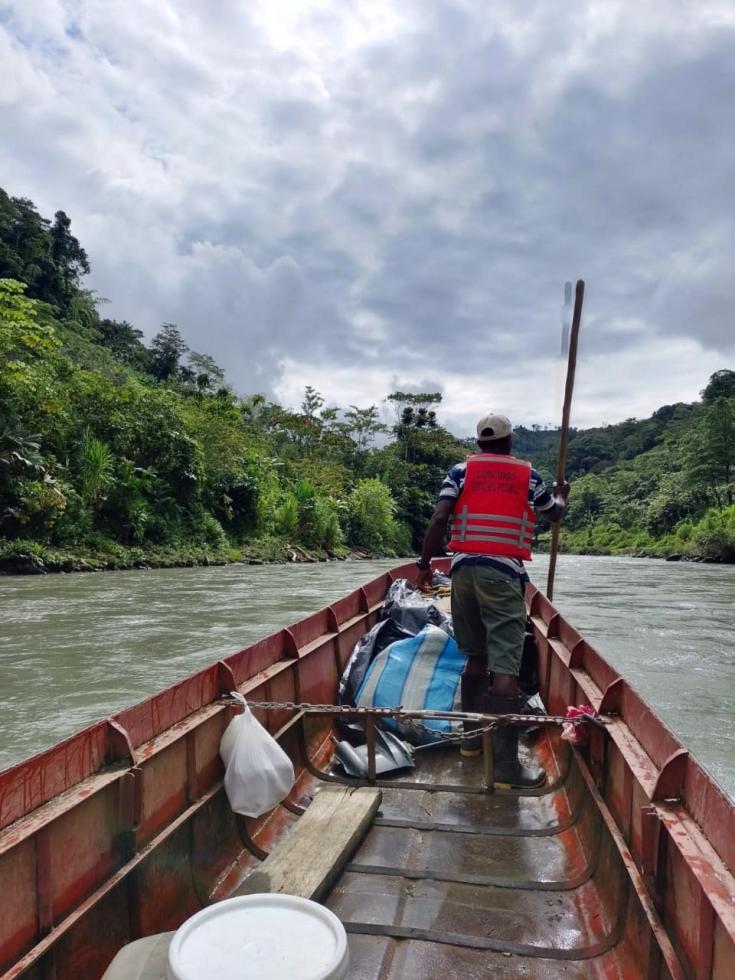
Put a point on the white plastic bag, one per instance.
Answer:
(258, 773)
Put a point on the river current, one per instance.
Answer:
(74, 648)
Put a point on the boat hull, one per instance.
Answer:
(124, 829)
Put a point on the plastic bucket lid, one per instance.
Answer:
(271, 937)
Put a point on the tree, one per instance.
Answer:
(415, 400)
(20, 451)
(414, 415)
(82, 309)
(303, 431)
(675, 499)
(312, 402)
(68, 257)
(208, 375)
(362, 425)
(587, 502)
(371, 510)
(125, 342)
(21, 334)
(168, 347)
(48, 258)
(714, 450)
(95, 467)
(26, 345)
(425, 419)
(721, 385)
(25, 247)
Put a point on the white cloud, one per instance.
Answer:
(632, 383)
(326, 193)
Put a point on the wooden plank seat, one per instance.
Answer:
(306, 863)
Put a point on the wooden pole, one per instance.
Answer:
(564, 441)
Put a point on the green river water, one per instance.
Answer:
(74, 648)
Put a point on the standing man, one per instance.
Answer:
(492, 500)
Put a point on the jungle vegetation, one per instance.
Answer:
(115, 453)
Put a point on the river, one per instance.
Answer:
(74, 648)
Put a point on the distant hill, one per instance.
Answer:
(662, 485)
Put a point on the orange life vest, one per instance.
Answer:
(492, 515)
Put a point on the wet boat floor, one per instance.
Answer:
(457, 882)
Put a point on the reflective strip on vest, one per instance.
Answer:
(463, 530)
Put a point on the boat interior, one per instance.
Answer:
(619, 866)
(452, 880)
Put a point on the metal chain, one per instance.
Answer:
(398, 714)
(448, 736)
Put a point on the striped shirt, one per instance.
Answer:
(539, 498)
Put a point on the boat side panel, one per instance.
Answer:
(634, 834)
(598, 668)
(144, 721)
(88, 947)
(84, 848)
(163, 887)
(318, 674)
(216, 846)
(722, 954)
(30, 784)
(560, 683)
(205, 768)
(618, 789)
(281, 687)
(686, 867)
(376, 589)
(162, 785)
(19, 888)
(312, 628)
(712, 809)
(655, 738)
(347, 607)
(260, 656)
(347, 639)
(681, 902)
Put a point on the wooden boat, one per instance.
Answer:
(621, 866)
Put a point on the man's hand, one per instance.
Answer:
(425, 579)
(559, 492)
(432, 540)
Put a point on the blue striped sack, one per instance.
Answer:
(420, 672)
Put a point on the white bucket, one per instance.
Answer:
(268, 937)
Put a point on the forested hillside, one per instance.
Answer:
(663, 485)
(115, 454)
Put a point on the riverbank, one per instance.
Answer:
(663, 555)
(613, 542)
(25, 557)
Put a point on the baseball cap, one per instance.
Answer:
(492, 426)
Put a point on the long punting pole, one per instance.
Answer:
(564, 442)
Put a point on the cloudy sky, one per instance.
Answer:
(369, 195)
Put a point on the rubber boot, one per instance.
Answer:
(508, 769)
(472, 690)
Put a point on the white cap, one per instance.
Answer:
(492, 426)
